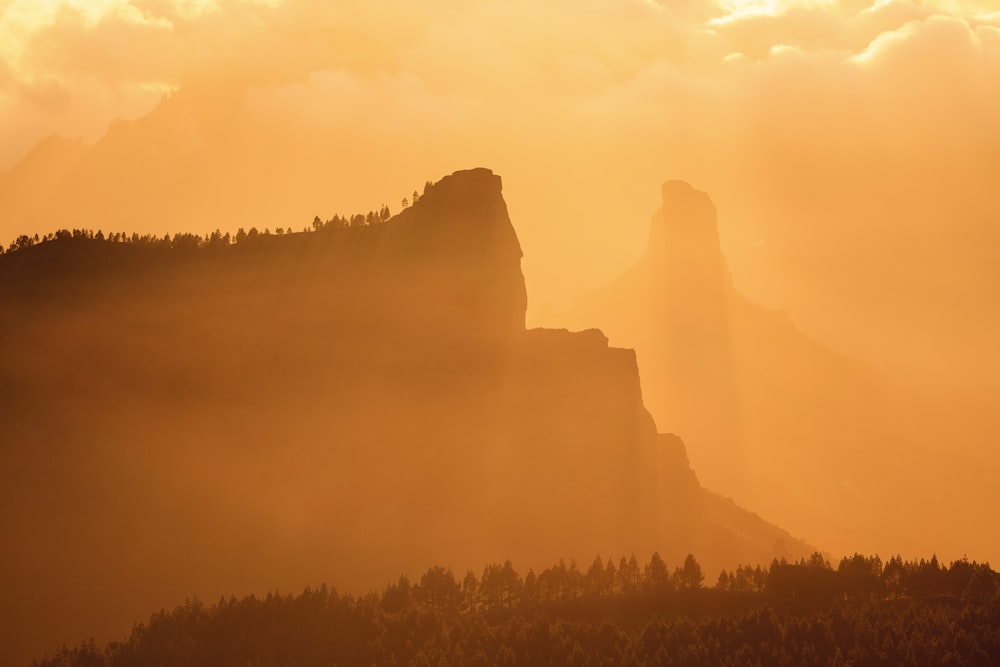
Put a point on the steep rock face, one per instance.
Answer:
(342, 405)
(461, 228)
(684, 339)
(684, 235)
(577, 446)
(693, 367)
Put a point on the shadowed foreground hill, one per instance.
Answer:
(789, 614)
(192, 417)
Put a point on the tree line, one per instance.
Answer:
(187, 241)
(802, 613)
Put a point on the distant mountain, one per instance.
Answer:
(191, 416)
(25, 188)
(783, 423)
(202, 158)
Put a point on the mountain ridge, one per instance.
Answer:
(356, 400)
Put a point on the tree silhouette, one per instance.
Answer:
(689, 575)
(657, 578)
(423, 625)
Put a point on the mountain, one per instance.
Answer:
(205, 157)
(32, 181)
(808, 436)
(186, 416)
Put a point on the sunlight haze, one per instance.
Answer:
(771, 227)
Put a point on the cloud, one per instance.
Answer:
(121, 47)
(650, 87)
(488, 49)
(72, 67)
(818, 127)
(651, 84)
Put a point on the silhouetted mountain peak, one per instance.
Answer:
(684, 230)
(477, 179)
(460, 196)
(674, 307)
(683, 201)
(462, 222)
(392, 351)
(465, 208)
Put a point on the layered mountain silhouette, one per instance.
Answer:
(36, 177)
(779, 420)
(202, 158)
(196, 417)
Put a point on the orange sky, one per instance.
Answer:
(72, 66)
(851, 149)
(819, 127)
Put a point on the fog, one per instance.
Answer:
(850, 148)
(344, 405)
(832, 135)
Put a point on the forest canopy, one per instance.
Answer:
(803, 613)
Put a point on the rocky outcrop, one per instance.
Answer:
(340, 405)
(581, 444)
(460, 232)
(399, 353)
(684, 237)
(674, 307)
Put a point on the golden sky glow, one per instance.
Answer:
(846, 113)
(735, 9)
(73, 66)
(870, 119)
(850, 148)
(783, 111)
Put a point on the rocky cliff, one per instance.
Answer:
(674, 306)
(185, 418)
